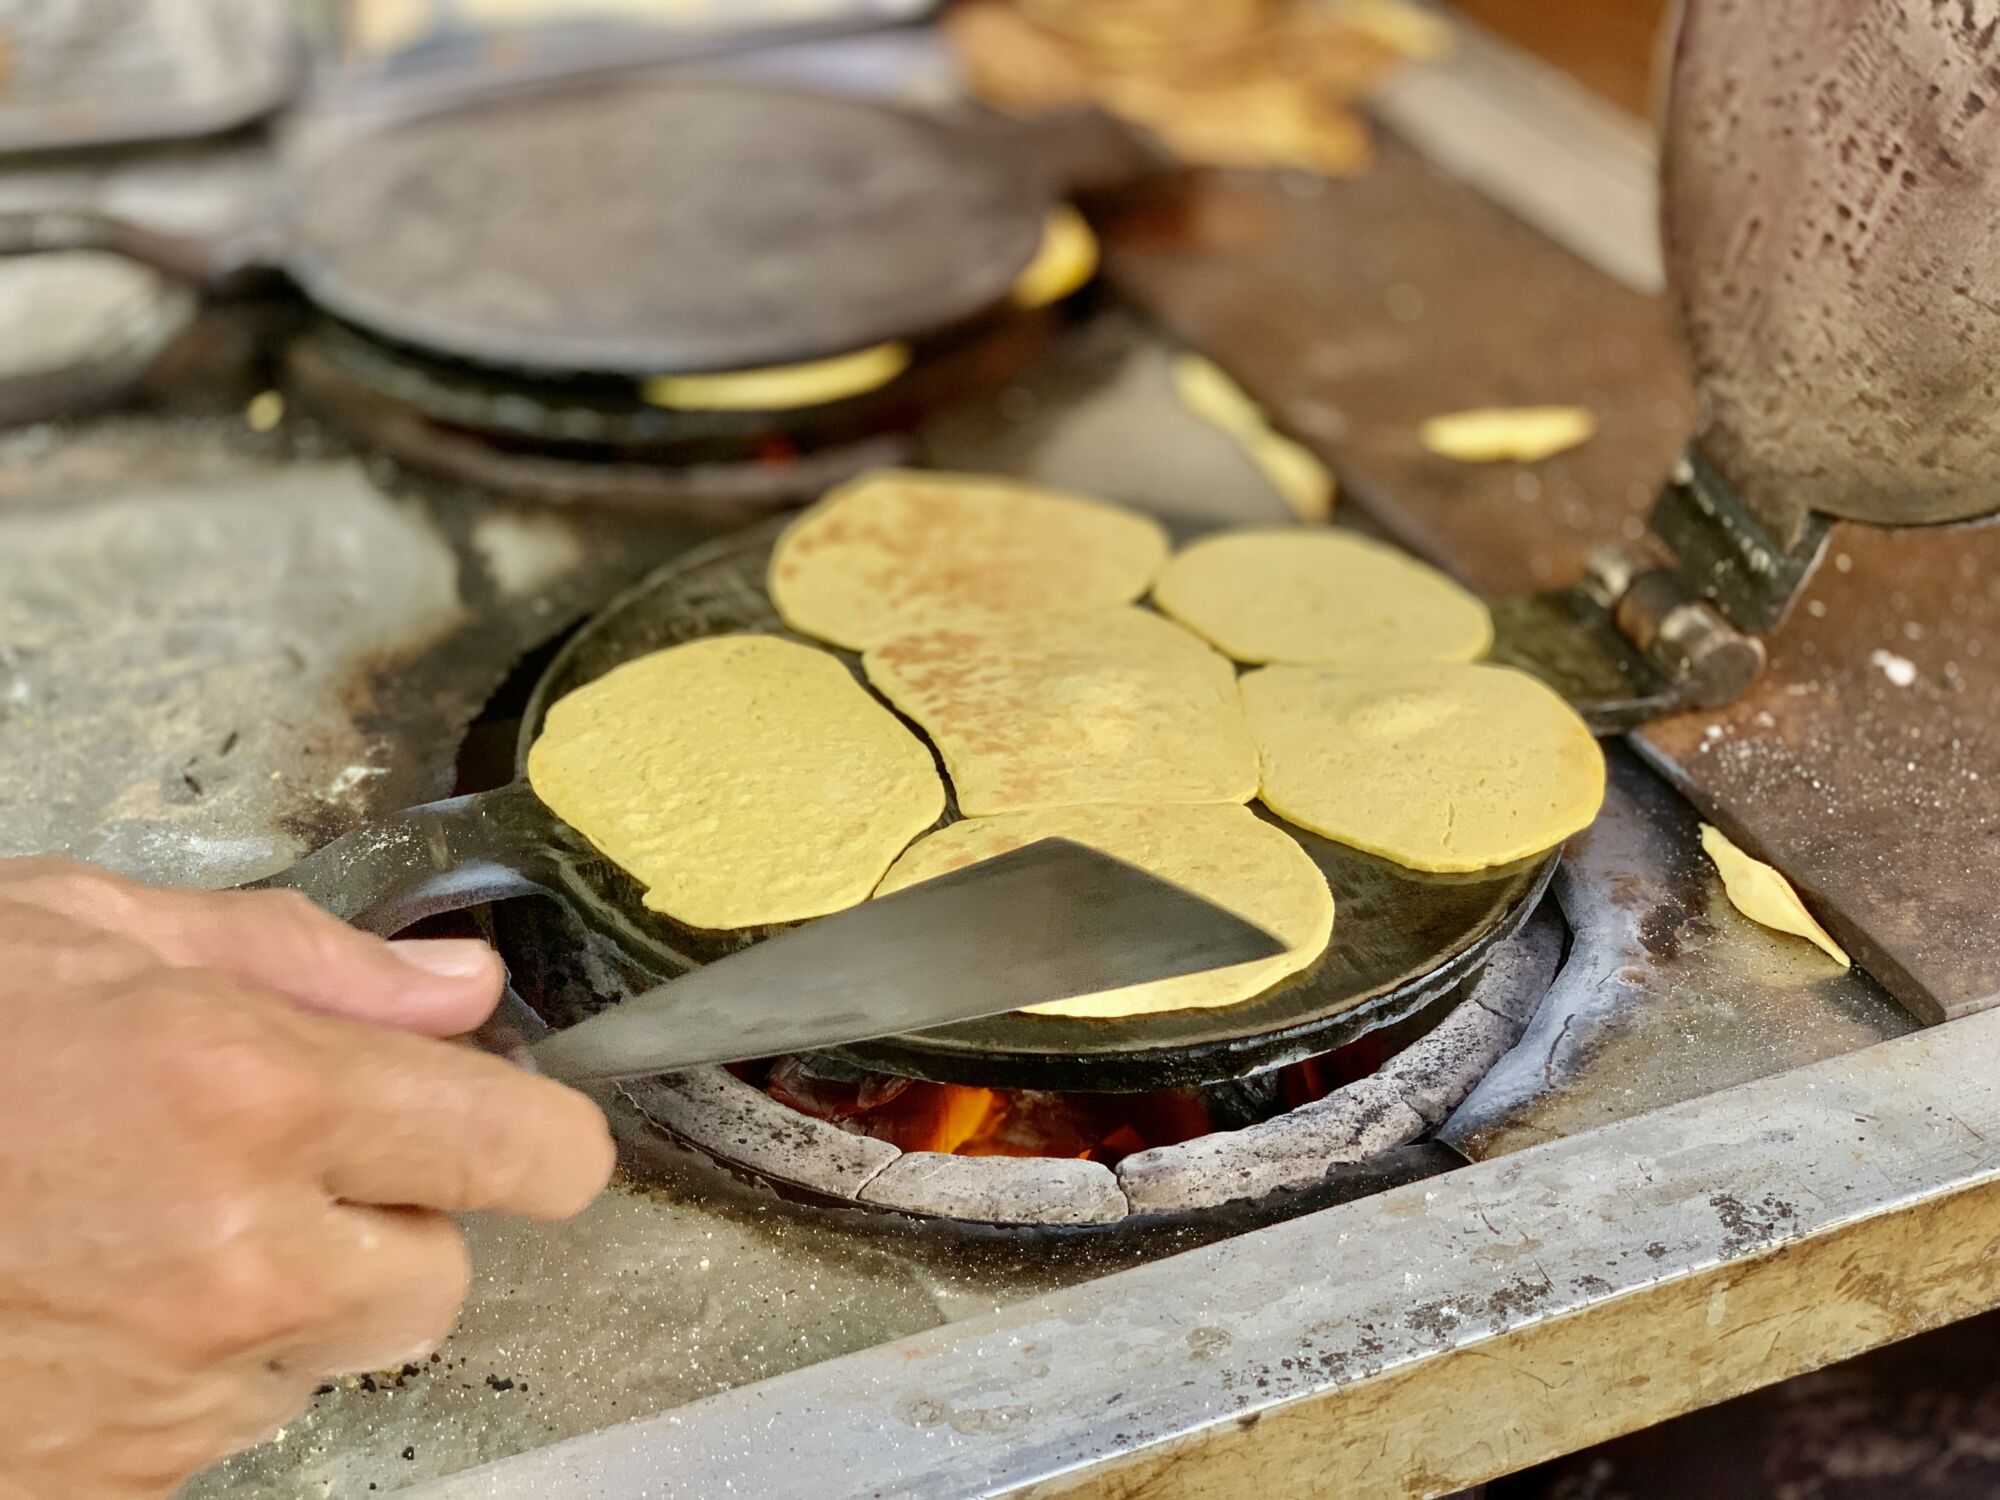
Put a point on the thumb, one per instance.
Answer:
(280, 940)
(434, 986)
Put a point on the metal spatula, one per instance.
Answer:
(1049, 921)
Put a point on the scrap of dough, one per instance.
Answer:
(1116, 705)
(1443, 768)
(1765, 896)
(1066, 260)
(901, 550)
(818, 382)
(743, 780)
(1227, 854)
(1314, 597)
(1522, 434)
(1301, 480)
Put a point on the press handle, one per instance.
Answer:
(428, 860)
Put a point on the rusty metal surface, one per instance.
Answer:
(1354, 310)
(1668, 994)
(1866, 763)
(727, 226)
(1829, 216)
(101, 72)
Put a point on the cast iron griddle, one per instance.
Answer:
(637, 226)
(630, 226)
(1401, 940)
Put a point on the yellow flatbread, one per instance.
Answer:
(1765, 896)
(1116, 705)
(1497, 434)
(1312, 597)
(818, 382)
(1227, 854)
(742, 780)
(1066, 260)
(1445, 768)
(1301, 480)
(901, 550)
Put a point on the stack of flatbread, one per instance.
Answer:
(747, 780)
(1230, 83)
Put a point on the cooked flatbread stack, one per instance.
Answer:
(748, 780)
(1227, 83)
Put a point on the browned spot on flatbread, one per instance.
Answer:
(900, 550)
(1105, 706)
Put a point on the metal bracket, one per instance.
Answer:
(1726, 553)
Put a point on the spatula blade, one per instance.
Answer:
(1050, 921)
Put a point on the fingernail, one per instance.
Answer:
(447, 958)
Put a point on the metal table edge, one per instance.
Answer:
(1415, 1342)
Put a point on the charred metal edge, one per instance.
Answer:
(1413, 1342)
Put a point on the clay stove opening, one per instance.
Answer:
(1025, 1157)
(966, 1120)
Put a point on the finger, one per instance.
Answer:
(400, 1277)
(431, 1125)
(277, 939)
(437, 987)
(61, 950)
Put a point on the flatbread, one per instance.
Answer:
(817, 382)
(1445, 768)
(1764, 895)
(900, 550)
(1227, 854)
(1066, 260)
(1115, 705)
(742, 780)
(1508, 434)
(1314, 597)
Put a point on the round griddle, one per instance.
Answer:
(633, 226)
(608, 412)
(1401, 939)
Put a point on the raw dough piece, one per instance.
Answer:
(1445, 768)
(1765, 896)
(742, 780)
(1227, 854)
(1064, 264)
(1321, 598)
(1117, 705)
(901, 550)
(818, 382)
(1523, 434)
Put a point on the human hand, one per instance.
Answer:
(229, 1143)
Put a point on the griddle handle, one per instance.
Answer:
(216, 263)
(440, 857)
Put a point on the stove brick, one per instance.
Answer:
(715, 1110)
(1000, 1189)
(1520, 972)
(1435, 1073)
(1287, 1153)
